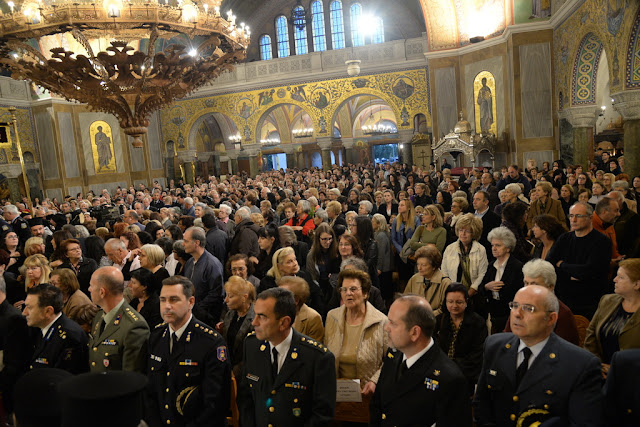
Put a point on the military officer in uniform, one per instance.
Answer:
(418, 384)
(288, 378)
(532, 375)
(119, 332)
(19, 226)
(621, 391)
(188, 367)
(60, 342)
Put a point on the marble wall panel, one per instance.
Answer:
(137, 157)
(110, 186)
(47, 145)
(54, 192)
(446, 101)
(68, 140)
(535, 88)
(155, 151)
(74, 190)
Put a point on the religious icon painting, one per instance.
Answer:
(403, 87)
(104, 160)
(484, 90)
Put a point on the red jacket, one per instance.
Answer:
(306, 226)
(610, 232)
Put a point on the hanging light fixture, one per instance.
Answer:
(375, 127)
(299, 18)
(125, 59)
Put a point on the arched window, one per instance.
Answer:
(265, 47)
(282, 33)
(357, 36)
(300, 36)
(337, 24)
(319, 39)
(378, 32)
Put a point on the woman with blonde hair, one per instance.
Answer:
(236, 323)
(431, 231)
(34, 245)
(72, 297)
(465, 260)
(152, 257)
(35, 271)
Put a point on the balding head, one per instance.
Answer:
(109, 278)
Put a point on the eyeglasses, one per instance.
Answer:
(77, 248)
(238, 269)
(352, 289)
(524, 307)
(571, 216)
(326, 239)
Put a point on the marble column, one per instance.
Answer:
(253, 151)
(300, 160)
(290, 151)
(233, 162)
(348, 144)
(325, 148)
(404, 146)
(583, 119)
(188, 159)
(628, 105)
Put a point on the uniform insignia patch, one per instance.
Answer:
(431, 384)
(222, 353)
(253, 377)
(105, 362)
(297, 412)
(5, 228)
(188, 362)
(262, 347)
(156, 358)
(436, 372)
(109, 342)
(117, 321)
(42, 360)
(23, 225)
(493, 373)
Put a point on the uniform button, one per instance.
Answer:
(546, 406)
(489, 386)
(187, 374)
(512, 417)
(152, 368)
(93, 363)
(95, 348)
(166, 406)
(31, 367)
(272, 409)
(629, 411)
(168, 421)
(168, 373)
(295, 400)
(273, 392)
(167, 390)
(384, 416)
(516, 398)
(270, 425)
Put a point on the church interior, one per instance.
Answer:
(314, 83)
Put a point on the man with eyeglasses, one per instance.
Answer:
(581, 258)
(532, 375)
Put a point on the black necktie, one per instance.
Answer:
(522, 369)
(403, 369)
(274, 363)
(174, 337)
(102, 326)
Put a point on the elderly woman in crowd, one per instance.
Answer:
(34, 245)
(461, 333)
(431, 231)
(144, 291)
(545, 205)
(73, 298)
(429, 282)
(152, 257)
(465, 260)
(236, 324)
(239, 265)
(616, 324)
(269, 243)
(510, 195)
(543, 273)
(458, 207)
(302, 223)
(74, 260)
(308, 321)
(180, 255)
(502, 279)
(355, 332)
(286, 264)
(288, 238)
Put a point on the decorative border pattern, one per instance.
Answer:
(632, 66)
(585, 71)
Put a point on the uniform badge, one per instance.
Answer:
(42, 360)
(432, 385)
(436, 372)
(493, 373)
(297, 412)
(117, 321)
(262, 347)
(23, 225)
(222, 353)
(294, 355)
(5, 228)
(105, 362)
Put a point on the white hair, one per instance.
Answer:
(541, 268)
(244, 213)
(13, 209)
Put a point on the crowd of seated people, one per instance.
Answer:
(347, 242)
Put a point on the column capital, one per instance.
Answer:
(325, 143)
(232, 154)
(187, 156)
(11, 170)
(627, 103)
(289, 148)
(348, 143)
(252, 150)
(581, 117)
(405, 135)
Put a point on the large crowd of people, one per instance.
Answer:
(513, 292)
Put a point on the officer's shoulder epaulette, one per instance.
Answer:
(251, 333)
(160, 325)
(62, 332)
(206, 329)
(309, 342)
(132, 314)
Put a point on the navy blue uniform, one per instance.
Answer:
(65, 346)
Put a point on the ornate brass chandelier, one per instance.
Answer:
(129, 58)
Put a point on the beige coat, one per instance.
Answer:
(373, 341)
(434, 294)
(309, 322)
(630, 335)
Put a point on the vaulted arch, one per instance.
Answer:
(585, 70)
(632, 69)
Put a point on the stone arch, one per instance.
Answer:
(303, 109)
(632, 67)
(585, 70)
(227, 125)
(380, 96)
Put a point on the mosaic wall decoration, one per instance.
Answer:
(632, 69)
(26, 126)
(585, 71)
(405, 92)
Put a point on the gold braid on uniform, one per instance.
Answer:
(532, 418)
(184, 393)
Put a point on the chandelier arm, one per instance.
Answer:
(80, 38)
(27, 49)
